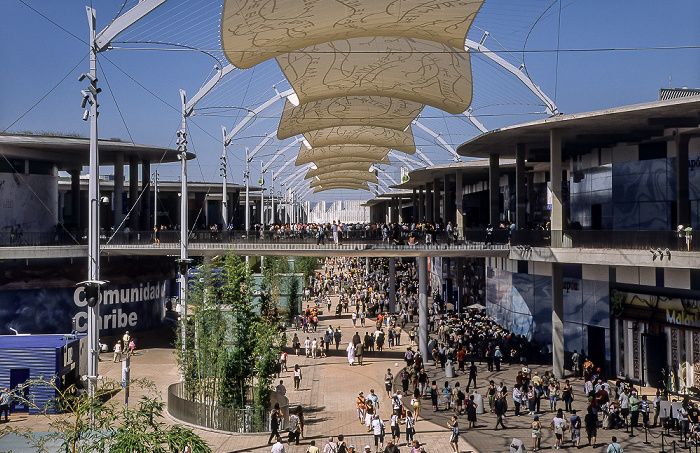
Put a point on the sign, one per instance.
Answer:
(671, 311)
(133, 307)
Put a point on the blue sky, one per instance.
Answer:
(37, 55)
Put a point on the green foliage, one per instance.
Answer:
(229, 349)
(306, 265)
(88, 424)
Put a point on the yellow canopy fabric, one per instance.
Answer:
(377, 111)
(253, 31)
(363, 135)
(345, 166)
(414, 70)
(347, 152)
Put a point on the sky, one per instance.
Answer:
(610, 54)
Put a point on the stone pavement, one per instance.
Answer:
(328, 391)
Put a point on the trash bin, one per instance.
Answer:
(479, 401)
(449, 369)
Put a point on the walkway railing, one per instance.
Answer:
(247, 420)
(468, 239)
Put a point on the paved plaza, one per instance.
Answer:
(328, 391)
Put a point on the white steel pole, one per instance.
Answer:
(184, 226)
(272, 197)
(94, 218)
(224, 195)
(155, 199)
(247, 193)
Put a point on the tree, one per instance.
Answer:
(88, 424)
(306, 265)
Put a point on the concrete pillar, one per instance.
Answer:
(392, 285)
(421, 204)
(145, 195)
(367, 267)
(133, 192)
(531, 194)
(520, 190)
(459, 276)
(436, 201)
(422, 263)
(118, 188)
(414, 206)
(75, 197)
(494, 194)
(429, 202)
(459, 215)
(682, 192)
(557, 213)
(448, 200)
(557, 321)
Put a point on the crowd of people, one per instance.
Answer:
(457, 344)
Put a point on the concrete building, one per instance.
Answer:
(597, 261)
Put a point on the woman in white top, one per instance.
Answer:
(351, 353)
(410, 428)
(395, 429)
(559, 426)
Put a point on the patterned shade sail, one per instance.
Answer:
(253, 31)
(377, 111)
(439, 76)
(361, 71)
(363, 186)
(363, 135)
(347, 152)
(325, 168)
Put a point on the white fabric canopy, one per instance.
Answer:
(347, 152)
(345, 166)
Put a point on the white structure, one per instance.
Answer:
(349, 211)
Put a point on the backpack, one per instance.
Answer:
(342, 448)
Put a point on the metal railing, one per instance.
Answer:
(246, 420)
(603, 239)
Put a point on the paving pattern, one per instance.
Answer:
(328, 391)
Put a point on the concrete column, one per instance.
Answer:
(421, 204)
(682, 192)
(118, 188)
(557, 321)
(448, 200)
(459, 276)
(459, 215)
(422, 263)
(494, 194)
(367, 268)
(557, 217)
(429, 202)
(531, 194)
(146, 195)
(75, 197)
(414, 206)
(436, 201)
(520, 190)
(399, 209)
(133, 192)
(392, 285)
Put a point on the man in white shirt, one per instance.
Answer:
(331, 447)
(278, 447)
(307, 347)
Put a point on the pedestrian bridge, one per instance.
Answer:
(259, 248)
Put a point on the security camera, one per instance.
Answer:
(104, 200)
(86, 115)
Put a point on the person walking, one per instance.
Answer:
(117, 352)
(359, 352)
(500, 410)
(614, 447)
(591, 422)
(434, 396)
(275, 417)
(568, 396)
(5, 399)
(410, 428)
(351, 353)
(388, 382)
(378, 431)
(297, 376)
(294, 428)
(536, 428)
(575, 428)
(558, 426)
(472, 376)
(361, 406)
(454, 436)
(471, 412)
(331, 447)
